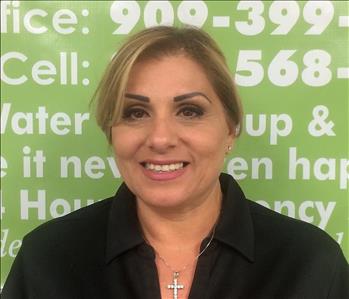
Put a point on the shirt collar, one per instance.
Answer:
(234, 227)
(124, 230)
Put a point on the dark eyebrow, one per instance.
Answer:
(176, 98)
(190, 95)
(137, 97)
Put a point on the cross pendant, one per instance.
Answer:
(175, 286)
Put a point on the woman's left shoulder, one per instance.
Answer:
(292, 234)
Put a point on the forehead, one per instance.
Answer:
(175, 71)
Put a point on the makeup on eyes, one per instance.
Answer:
(193, 108)
(133, 113)
(187, 110)
(134, 103)
(188, 106)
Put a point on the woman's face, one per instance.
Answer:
(172, 139)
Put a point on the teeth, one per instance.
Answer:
(165, 167)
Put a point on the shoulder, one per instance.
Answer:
(86, 217)
(57, 257)
(76, 229)
(290, 235)
(312, 258)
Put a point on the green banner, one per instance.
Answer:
(291, 66)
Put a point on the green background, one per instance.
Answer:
(297, 100)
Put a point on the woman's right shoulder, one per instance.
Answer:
(89, 220)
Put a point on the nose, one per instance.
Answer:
(162, 135)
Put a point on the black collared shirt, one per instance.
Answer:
(98, 252)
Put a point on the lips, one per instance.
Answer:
(164, 170)
(164, 167)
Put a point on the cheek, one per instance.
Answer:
(210, 144)
(124, 143)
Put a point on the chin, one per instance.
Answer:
(167, 200)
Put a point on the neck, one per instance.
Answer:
(180, 228)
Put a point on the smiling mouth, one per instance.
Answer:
(164, 167)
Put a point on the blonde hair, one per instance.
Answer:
(157, 42)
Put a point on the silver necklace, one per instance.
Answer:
(175, 286)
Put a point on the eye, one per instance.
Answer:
(134, 113)
(191, 111)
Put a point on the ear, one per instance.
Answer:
(232, 134)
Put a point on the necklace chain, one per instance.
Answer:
(175, 286)
(187, 265)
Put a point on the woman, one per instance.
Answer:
(177, 227)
